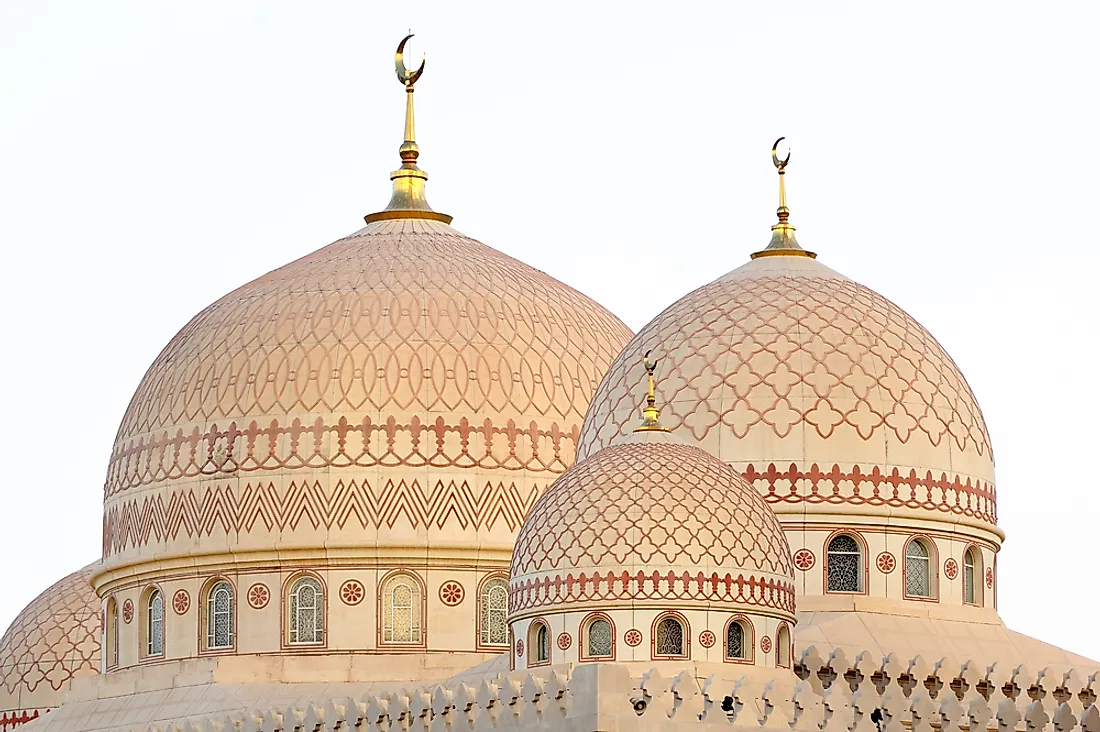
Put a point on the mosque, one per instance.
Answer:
(408, 481)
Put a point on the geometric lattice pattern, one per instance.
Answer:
(54, 638)
(399, 350)
(152, 519)
(403, 316)
(785, 361)
(651, 519)
(651, 503)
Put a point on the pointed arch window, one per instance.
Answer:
(111, 626)
(844, 564)
(918, 569)
(219, 616)
(971, 571)
(670, 637)
(494, 612)
(154, 623)
(306, 611)
(402, 609)
(783, 646)
(539, 641)
(738, 640)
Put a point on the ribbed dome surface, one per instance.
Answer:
(820, 390)
(54, 638)
(402, 347)
(651, 519)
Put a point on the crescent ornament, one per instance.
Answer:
(775, 158)
(406, 77)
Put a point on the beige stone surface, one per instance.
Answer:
(396, 400)
(54, 640)
(982, 638)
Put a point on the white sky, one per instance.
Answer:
(154, 156)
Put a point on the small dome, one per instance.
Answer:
(54, 639)
(651, 520)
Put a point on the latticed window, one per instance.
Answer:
(917, 570)
(112, 633)
(494, 613)
(845, 564)
(401, 610)
(735, 640)
(307, 611)
(155, 624)
(599, 638)
(969, 571)
(219, 616)
(783, 647)
(670, 638)
(540, 644)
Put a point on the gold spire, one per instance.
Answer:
(650, 414)
(408, 201)
(783, 241)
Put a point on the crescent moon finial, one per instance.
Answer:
(781, 164)
(406, 77)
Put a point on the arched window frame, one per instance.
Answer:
(586, 625)
(534, 657)
(748, 640)
(486, 585)
(783, 650)
(150, 597)
(933, 568)
(290, 587)
(684, 626)
(862, 572)
(206, 618)
(386, 630)
(977, 576)
(110, 630)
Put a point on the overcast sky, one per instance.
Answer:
(154, 156)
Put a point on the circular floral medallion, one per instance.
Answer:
(951, 568)
(451, 593)
(633, 637)
(706, 639)
(181, 602)
(886, 562)
(564, 641)
(804, 559)
(127, 611)
(989, 578)
(258, 596)
(352, 592)
(765, 644)
(519, 647)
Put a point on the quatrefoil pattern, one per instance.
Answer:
(786, 363)
(651, 519)
(55, 638)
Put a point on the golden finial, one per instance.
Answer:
(408, 201)
(650, 414)
(783, 241)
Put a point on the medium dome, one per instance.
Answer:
(650, 519)
(53, 640)
(823, 392)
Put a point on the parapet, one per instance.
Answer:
(823, 694)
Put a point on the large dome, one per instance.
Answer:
(823, 392)
(403, 347)
(55, 639)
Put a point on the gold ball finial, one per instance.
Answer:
(783, 242)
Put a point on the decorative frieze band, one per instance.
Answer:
(363, 444)
(642, 586)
